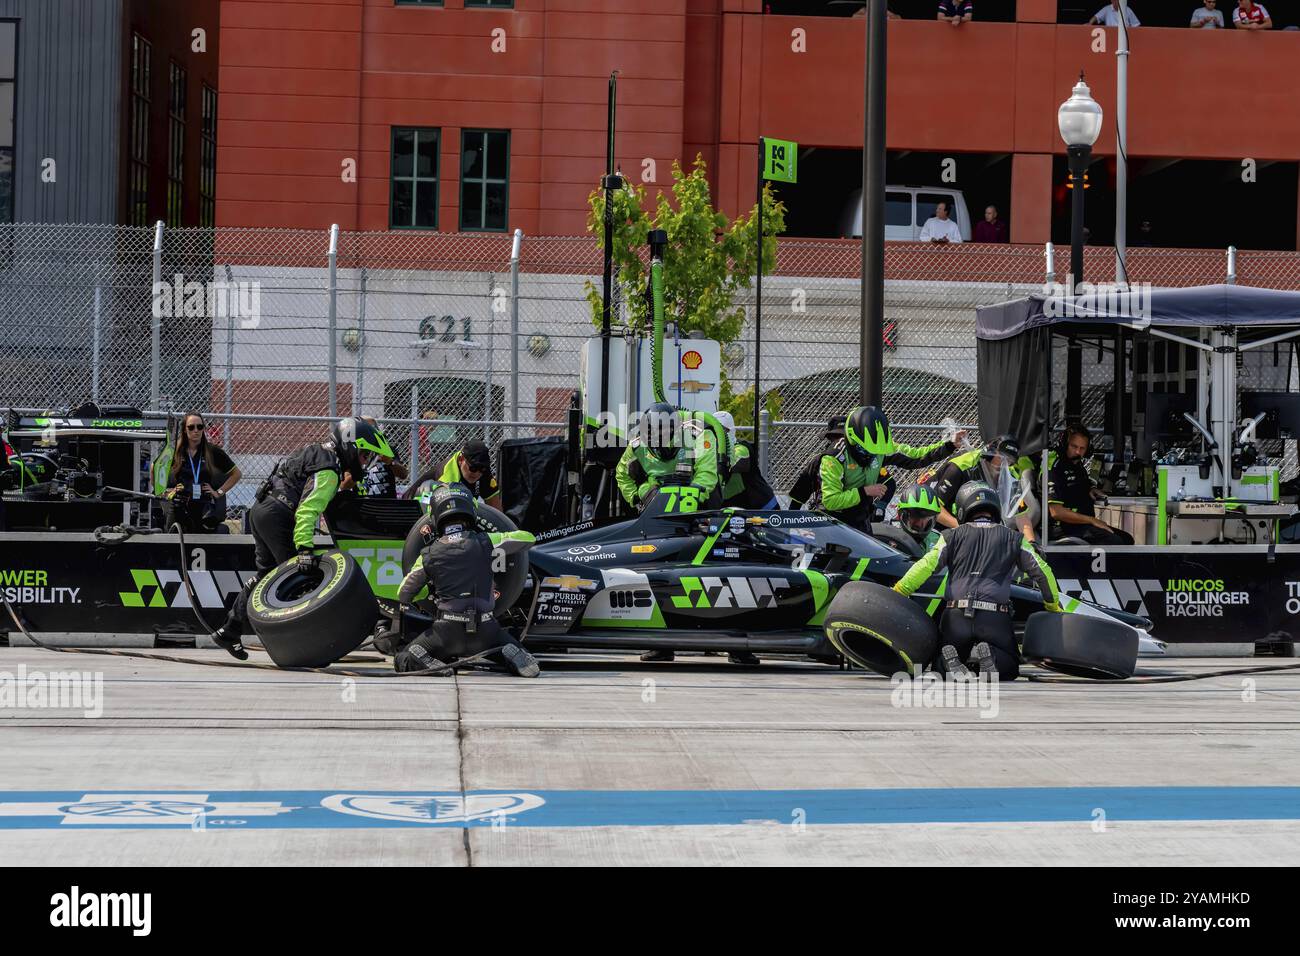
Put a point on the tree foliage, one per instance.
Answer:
(708, 261)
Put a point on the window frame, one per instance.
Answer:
(415, 179)
(12, 83)
(484, 181)
(177, 109)
(208, 157)
(140, 114)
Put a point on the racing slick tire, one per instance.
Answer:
(311, 619)
(878, 629)
(509, 583)
(1081, 646)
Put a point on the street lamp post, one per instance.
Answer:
(1079, 119)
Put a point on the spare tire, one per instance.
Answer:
(877, 628)
(311, 619)
(510, 582)
(1081, 646)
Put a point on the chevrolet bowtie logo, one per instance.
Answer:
(569, 582)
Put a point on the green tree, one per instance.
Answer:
(707, 262)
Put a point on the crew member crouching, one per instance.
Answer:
(455, 573)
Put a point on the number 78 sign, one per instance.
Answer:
(780, 160)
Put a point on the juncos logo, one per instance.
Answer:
(74, 909)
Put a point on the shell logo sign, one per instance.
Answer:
(692, 360)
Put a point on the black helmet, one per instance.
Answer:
(1008, 446)
(450, 502)
(866, 434)
(660, 430)
(976, 498)
(352, 437)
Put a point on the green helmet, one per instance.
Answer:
(354, 436)
(917, 512)
(866, 434)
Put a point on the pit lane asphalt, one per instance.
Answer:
(695, 762)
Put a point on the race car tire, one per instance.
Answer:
(509, 582)
(311, 619)
(880, 630)
(1081, 646)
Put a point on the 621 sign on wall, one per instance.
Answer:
(442, 328)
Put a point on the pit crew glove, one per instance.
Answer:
(308, 560)
(1053, 607)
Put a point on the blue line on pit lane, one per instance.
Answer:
(342, 809)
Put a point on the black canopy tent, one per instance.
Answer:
(1014, 340)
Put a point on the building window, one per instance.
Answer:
(413, 200)
(489, 3)
(176, 146)
(484, 179)
(418, 3)
(139, 175)
(8, 75)
(208, 160)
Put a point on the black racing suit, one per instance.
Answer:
(1068, 485)
(284, 518)
(983, 559)
(456, 570)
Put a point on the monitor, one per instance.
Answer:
(1281, 413)
(1164, 416)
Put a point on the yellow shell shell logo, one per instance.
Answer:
(692, 360)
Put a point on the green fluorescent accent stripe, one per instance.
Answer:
(1255, 479)
(1069, 605)
(1162, 507)
(821, 592)
(943, 587)
(862, 566)
(707, 546)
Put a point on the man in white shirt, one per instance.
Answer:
(939, 229)
(1208, 17)
(1109, 16)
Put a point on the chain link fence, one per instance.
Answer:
(267, 329)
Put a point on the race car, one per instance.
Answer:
(678, 579)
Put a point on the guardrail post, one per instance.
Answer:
(514, 331)
(155, 344)
(334, 320)
(1232, 265)
(763, 439)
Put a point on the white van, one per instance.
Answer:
(906, 210)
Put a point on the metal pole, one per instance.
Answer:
(487, 372)
(610, 183)
(1078, 156)
(514, 329)
(1232, 265)
(1121, 148)
(227, 433)
(334, 321)
(155, 346)
(871, 319)
(94, 365)
(360, 397)
(758, 299)
(1050, 255)
(763, 438)
(415, 432)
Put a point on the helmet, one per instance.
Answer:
(450, 502)
(728, 423)
(660, 430)
(1008, 446)
(866, 433)
(354, 437)
(976, 498)
(917, 511)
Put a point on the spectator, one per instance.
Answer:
(1208, 17)
(990, 228)
(939, 229)
(1251, 16)
(1144, 234)
(1109, 16)
(383, 474)
(198, 480)
(956, 12)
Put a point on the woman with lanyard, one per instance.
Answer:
(195, 497)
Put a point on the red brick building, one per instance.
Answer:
(493, 116)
